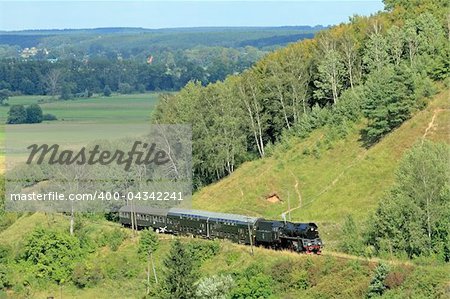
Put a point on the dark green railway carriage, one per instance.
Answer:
(145, 217)
(236, 228)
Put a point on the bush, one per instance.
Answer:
(49, 117)
(114, 238)
(34, 114)
(377, 285)
(17, 115)
(215, 287)
(125, 88)
(85, 275)
(4, 277)
(201, 251)
(52, 254)
(257, 287)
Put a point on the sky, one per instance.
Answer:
(19, 15)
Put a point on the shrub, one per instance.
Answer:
(113, 238)
(201, 251)
(215, 287)
(257, 287)
(34, 114)
(52, 254)
(377, 285)
(17, 114)
(125, 88)
(49, 117)
(86, 275)
(4, 278)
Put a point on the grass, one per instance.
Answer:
(345, 179)
(134, 108)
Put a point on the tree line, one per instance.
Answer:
(381, 68)
(170, 71)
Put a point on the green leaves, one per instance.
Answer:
(414, 217)
(148, 243)
(53, 254)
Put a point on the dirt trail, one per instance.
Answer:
(431, 124)
(283, 215)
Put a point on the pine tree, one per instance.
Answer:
(180, 276)
(377, 285)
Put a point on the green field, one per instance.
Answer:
(133, 108)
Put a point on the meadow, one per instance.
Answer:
(118, 108)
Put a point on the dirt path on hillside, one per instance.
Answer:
(283, 215)
(431, 124)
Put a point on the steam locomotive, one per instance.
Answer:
(299, 237)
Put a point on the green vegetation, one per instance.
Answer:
(413, 218)
(332, 80)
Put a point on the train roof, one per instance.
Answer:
(145, 210)
(239, 219)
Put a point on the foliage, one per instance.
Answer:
(215, 287)
(201, 251)
(148, 243)
(107, 91)
(387, 102)
(17, 114)
(351, 241)
(49, 117)
(86, 275)
(52, 254)
(254, 287)
(414, 216)
(113, 238)
(377, 285)
(34, 114)
(180, 276)
(4, 95)
(5, 279)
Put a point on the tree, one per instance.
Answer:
(388, 102)
(66, 92)
(330, 73)
(351, 241)
(377, 286)
(17, 114)
(53, 81)
(4, 96)
(107, 91)
(148, 244)
(414, 217)
(376, 52)
(34, 114)
(180, 276)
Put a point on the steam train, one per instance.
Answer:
(299, 237)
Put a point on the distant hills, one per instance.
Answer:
(130, 41)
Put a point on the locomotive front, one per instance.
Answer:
(303, 237)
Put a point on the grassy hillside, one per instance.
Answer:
(324, 181)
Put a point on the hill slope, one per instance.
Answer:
(324, 182)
